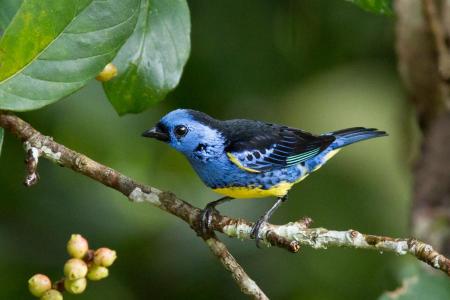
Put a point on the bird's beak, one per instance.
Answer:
(155, 133)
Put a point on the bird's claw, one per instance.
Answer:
(206, 219)
(256, 231)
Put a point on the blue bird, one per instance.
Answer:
(250, 159)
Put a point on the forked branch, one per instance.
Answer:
(289, 236)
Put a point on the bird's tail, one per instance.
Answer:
(349, 136)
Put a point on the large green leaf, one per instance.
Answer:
(8, 9)
(52, 48)
(421, 286)
(376, 6)
(1, 139)
(152, 60)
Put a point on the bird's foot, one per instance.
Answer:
(206, 218)
(207, 213)
(256, 231)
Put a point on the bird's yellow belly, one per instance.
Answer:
(278, 190)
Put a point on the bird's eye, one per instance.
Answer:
(180, 130)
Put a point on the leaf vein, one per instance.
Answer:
(48, 46)
(105, 28)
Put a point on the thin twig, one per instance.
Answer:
(31, 162)
(246, 284)
(288, 236)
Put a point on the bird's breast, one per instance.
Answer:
(239, 192)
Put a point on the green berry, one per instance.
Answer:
(52, 295)
(39, 284)
(77, 246)
(76, 286)
(104, 257)
(97, 272)
(75, 268)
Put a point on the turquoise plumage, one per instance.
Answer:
(250, 159)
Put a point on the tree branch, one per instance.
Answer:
(247, 285)
(289, 236)
(422, 31)
(437, 29)
(37, 145)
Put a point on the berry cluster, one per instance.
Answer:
(84, 264)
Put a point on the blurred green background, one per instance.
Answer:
(317, 65)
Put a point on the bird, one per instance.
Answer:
(243, 158)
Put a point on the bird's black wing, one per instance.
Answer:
(256, 146)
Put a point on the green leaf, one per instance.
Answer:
(8, 9)
(151, 62)
(421, 286)
(375, 6)
(2, 132)
(52, 48)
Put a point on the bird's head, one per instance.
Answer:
(192, 133)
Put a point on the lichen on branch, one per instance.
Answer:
(289, 236)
